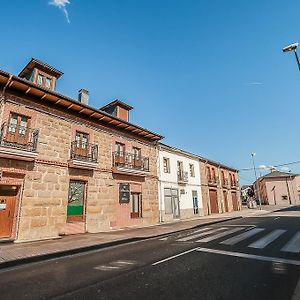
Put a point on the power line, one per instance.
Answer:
(275, 166)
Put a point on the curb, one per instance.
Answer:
(53, 255)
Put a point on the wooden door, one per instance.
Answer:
(7, 209)
(17, 130)
(82, 140)
(225, 201)
(213, 202)
(234, 201)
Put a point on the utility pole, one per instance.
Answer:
(257, 183)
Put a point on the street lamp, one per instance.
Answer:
(257, 185)
(293, 47)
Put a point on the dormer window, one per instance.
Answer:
(40, 73)
(40, 80)
(48, 83)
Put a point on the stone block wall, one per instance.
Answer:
(42, 203)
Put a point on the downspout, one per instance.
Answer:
(159, 186)
(5, 87)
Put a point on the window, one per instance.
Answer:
(168, 201)
(171, 200)
(137, 157)
(208, 173)
(120, 149)
(40, 79)
(137, 153)
(48, 83)
(75, 210)
(18, 128)
(136, 205)
(81, 139)
(166, 165)
(192, 170)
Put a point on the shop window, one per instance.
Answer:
(76, 199)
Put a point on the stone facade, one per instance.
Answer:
(43, 184)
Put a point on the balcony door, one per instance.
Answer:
(137, 159)
(180, 169)
(81, 140)
(120, 153)
(18, 129)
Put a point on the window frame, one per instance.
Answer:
(166, 167)
(192, 170)
(136, 213)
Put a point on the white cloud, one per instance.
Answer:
(285, 169)
(254, 83)
(262, 167)
(61, 4)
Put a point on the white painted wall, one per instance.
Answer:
(169, 180)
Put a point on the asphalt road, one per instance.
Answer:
(251, 258)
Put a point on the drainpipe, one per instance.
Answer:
(6, 85)
(159, 187)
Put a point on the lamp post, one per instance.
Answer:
(293, 47)
(257, 184)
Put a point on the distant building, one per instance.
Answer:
(277, 188)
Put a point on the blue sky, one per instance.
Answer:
(208, 75)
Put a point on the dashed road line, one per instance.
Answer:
(268, 239)
(238, 238)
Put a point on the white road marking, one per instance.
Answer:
(296, 294)
(251, 256)
(194, 236)
(106, 268)
(199, 230)
(268, 239)
(174, 256)
(238, 238)
(219, 235)
(293, 245)
(124, 262)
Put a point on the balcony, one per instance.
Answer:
(212, 180)
(83, 155)
(182, 177)
(128, 163)
(234, 184)
(18, 142)
(225, 183)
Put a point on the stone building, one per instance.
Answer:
(179, 190)
(220, 187)
(67, 167)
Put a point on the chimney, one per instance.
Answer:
(83, 96)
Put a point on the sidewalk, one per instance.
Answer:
(14, 254)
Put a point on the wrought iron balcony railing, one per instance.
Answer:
(84, 151)
(19, 137)
(225, 182)
(234, 184)
(182, 176)
(130, 161)
(213, 180)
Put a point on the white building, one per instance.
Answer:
(179, 188)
